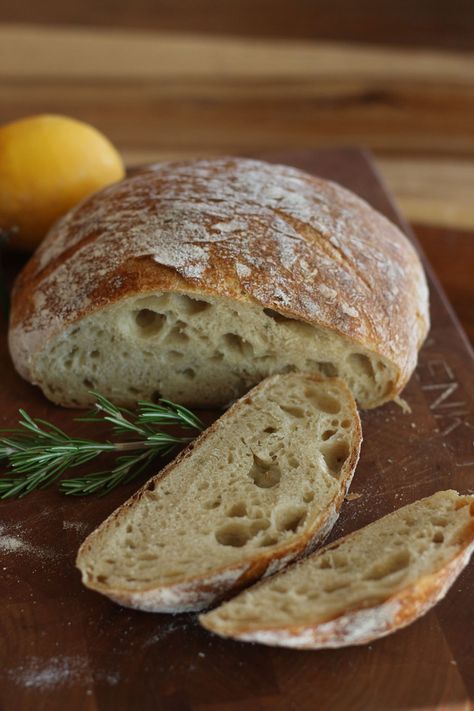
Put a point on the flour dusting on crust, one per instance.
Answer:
(235, 228)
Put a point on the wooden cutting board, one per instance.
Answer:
(64, 647)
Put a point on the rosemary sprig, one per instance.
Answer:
(38, 453)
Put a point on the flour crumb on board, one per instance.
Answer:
(45, 674)
(37, 673)
(12, 540)
(167, 629)
(79, 527)
(352, 496)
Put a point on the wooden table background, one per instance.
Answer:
(189, 77)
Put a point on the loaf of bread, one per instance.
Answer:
(259, 488)
(195, 280)
(361, 587)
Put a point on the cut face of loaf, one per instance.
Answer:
(361, 587)
(198, 351)
(262, 486)
(197, 279)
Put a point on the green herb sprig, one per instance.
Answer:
(38, 453)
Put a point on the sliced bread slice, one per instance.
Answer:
(363, 586)
(262, 486)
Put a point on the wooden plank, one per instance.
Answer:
(439, 23)
(97, 53)
(66, 647)
(192, 94)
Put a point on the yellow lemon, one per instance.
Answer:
(47, 165)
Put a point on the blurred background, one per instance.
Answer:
(168, 78)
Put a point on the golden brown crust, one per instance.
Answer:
(200, 592)
(235, 228)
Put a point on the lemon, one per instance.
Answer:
(47, 165)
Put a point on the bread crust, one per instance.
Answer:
(200, 592)
(362, 625)
(234, 228)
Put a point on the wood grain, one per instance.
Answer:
(437, 23)
(63, 646)
(451, 253)
(159, 95)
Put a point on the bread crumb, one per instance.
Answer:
(403, 404)
(352, 496)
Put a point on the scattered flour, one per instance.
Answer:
(165, 630)
(12, 541)
(37, 673)
(80, 527)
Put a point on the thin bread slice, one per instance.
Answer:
(361, 587)
(262, 486)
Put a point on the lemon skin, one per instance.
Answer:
(48, 164)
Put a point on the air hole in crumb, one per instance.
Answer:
(325, 563)
(268, 540)
(323, 401)
(327, 369)
(278, 588)
(346, 424)
(233, 534)
(213, 503)
(308, 496)
(193, 306)
(95, 354)
(340, 560)
(336, 585)
(149, 322)
(270, 430)
(188, 373)
(265, 475)
(237, 344)
(327, 434)
(361, 365)
(290, 518)
(335, 454)
(439, 521)
(102, 578)
(174, 355)
(279, 318)
(88, 383)
(238, 509)
(392, 564)
(293, 411)
(438, 537)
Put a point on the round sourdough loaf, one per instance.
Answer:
(194, 280)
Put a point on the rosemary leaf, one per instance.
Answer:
(38, 452)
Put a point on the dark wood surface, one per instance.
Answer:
(437, 23)
(64, 647)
